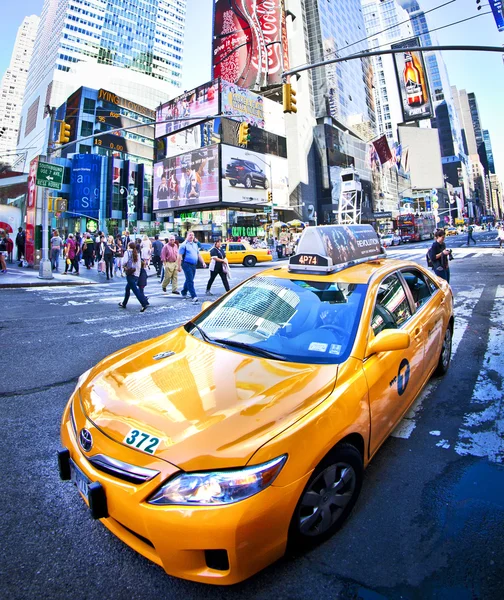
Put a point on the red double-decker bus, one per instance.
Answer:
(413, 228)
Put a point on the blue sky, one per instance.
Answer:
(481, 73)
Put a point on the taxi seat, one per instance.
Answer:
(418, 288)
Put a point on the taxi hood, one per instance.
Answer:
(210, 407)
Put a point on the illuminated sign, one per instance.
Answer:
(118, 101)
(238, 101)
(247, 231)
(85, 184)
(309, 259)
(202, 102)
(250, 42)
(412, 82)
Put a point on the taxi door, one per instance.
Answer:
(395, 377)
(235, 253)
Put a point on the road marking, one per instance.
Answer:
(482, 432)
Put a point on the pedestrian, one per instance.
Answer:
(70, 251)
(3, 251)
(88, 250)
(20, 245)
(108, 256)
(218, 266)
(157, 246)
(56, 246)
(169, 258)
(125, 239)
(131, 264)
(100, 253)
(470, 238)
(500, 235)
(142, 280)
(188, 258)
(78, 247)
(440, 255)
(119, 252)
(10, 247)
(146, 250)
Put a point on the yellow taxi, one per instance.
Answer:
(241, 253)
(451, 231)
(215, 448)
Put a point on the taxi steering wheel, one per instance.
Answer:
(335, 328)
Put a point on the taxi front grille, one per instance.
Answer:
(121, 470)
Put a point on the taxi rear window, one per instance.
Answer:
(302, 320)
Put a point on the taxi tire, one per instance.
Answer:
(341, 457)
(445, 355)
(249, 261)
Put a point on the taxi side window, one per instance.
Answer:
(235, 247)
(392, 308)
(418, 286)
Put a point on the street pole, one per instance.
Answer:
(45, 268)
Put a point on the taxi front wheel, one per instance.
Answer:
(328, 497)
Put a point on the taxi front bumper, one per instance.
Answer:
(220, 545)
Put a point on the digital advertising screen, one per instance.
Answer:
(187, 140)
(250, 42)
(85, 184)
(201, 102)
(189, 179)
(240, 102)
(412, 81)
(247, 177)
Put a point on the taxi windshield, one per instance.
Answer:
(289, 319)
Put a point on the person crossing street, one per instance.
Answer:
(169, 258)
(188, 258)
(470, 238)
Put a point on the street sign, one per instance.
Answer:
(497, 7)
(49, 176)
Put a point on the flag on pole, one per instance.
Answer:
(382, 149)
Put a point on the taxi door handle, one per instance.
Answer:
(418, 332)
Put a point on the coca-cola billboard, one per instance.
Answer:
(250, 42)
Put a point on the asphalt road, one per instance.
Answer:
(430, 517)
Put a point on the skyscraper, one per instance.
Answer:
(488, 151)
(386, 23)
(132, 47)
(13, 86)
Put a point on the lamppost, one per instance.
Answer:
(131, 193)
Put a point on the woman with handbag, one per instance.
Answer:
(132, 264)
(218, 266)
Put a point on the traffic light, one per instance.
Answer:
(64, 136)
(270, 196)
(243, 134)
(289, 98)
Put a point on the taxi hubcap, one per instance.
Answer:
(326, 499)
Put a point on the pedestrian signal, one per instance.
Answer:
(289, 98)
(243, 134)
(64, 136)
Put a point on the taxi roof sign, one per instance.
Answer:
(330, 248)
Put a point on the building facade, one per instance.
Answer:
(134, 47)
(108, 178)
(12, 91)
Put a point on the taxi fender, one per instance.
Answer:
(343, 416)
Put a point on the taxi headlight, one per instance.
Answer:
(82, 379)
(218, 487)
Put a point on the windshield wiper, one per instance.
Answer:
(204, 335)
(251, 348)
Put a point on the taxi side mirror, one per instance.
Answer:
(388, 340)
(205, 305)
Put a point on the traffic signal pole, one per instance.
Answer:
(45, 267)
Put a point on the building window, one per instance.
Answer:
(83, 149)
(89, 106)
(31, 117)
(86, 128)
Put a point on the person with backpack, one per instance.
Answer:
(132, 264)
(439, 255)
(188, 258)
(470, 238)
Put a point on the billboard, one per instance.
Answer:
(187, 140)
(240, 102)
(248, 176)
(85, 185)
(187, 180)
(201, 102)
(250, 42)
(412, 81)
(31, 213)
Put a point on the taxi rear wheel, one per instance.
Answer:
(249, 261)
(328, 497)
(445, 356)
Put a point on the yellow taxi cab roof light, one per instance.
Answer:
(329, 248)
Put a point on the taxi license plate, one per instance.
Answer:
(81, 481)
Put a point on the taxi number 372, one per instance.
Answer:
(142, 441)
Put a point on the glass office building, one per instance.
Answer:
(132, 46)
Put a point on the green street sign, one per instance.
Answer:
(49, 176)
